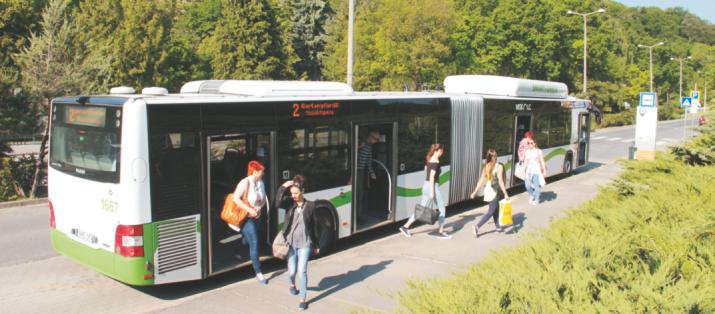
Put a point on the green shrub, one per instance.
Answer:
(645, 244)
(628, 117)
(701, 150)
(16, 176)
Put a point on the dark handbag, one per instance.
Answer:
(426, 214)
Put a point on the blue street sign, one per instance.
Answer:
(648, 99)
(686, 102)
(694, 95)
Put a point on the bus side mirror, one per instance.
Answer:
(596, 114)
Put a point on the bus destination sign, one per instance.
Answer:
(88, 116)
(315, 109)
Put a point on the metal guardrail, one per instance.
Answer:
(20, 139)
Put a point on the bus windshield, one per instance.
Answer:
(85, 141)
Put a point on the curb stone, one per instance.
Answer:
(23, 203)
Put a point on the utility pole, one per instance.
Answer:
(650, 48)
(585, 41)
(351, 22)
(680, 60)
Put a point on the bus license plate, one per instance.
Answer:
(84, 236)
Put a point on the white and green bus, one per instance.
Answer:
(137, 181)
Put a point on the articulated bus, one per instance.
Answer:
(137, 181)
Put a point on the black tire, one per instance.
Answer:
(568, 165)
(327, 227)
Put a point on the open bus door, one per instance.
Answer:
(584, 133)
(228, 157)
(374, 195)
(522, 124)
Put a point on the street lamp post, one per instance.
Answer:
(680, 60)
(585, 40)
(685, 115)
(650, 48)
(351, 22)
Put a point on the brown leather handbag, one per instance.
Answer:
(232, 213)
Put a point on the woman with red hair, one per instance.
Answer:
(523, 145)
(250, 195)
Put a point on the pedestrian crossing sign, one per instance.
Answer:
(686, 102)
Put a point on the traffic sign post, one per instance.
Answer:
(685, 103)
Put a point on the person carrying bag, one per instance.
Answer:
(284, 201)
(430, 193)
(242, 213)
(494, 190)
(302, 238)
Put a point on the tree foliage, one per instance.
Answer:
(398, 45)
(245, 44)
(307, 35)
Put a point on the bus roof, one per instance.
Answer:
(504, 86)
(239, 91)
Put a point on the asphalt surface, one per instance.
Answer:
(366, 272)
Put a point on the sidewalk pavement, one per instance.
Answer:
(366, 276)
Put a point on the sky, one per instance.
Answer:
(704, 9)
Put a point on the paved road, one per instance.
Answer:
(612, 143)
(363, 273)
(28, 148)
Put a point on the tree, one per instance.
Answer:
(51, 66)
(399, 44)
(246, 43)
(18, 19)
(18, 115)
(139, 44)
(195, 22)
(307, 35)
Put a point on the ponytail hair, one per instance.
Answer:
(435, 147)
(490, 163)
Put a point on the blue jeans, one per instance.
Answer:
(301, 261)
(533, 187)
(250, 234)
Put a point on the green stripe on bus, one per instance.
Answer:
(125, 269)
(340, 200)
(408, 192)
(554, 153)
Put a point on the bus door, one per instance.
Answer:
(228, 157)
(522, 124)
(374, 174)
(584, 131)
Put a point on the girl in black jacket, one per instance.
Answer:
(300, 233)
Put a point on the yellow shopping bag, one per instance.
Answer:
(505, 213)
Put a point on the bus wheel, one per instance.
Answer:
(327, 229)
(568, 166)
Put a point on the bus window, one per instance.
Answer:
(316, 152)
(84, 143)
